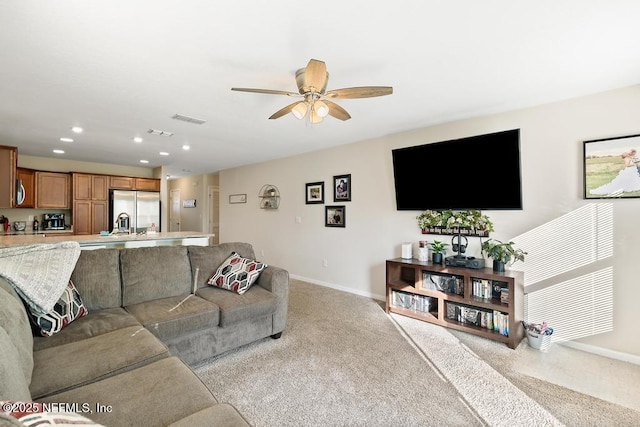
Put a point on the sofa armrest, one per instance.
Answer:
(276, 280)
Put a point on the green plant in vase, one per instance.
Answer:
(438, 250)
(502, 253)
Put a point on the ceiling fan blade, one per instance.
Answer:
(359, 92)
(266, 91)
(315, 76)
(283, 111)
(337, 111)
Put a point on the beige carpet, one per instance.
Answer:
(343, 362)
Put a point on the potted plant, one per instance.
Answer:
(437, 251)
(502, 253)
(428, 220)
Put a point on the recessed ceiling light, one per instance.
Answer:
(66, 139)
(58, 151)
(137, 139)
(185, 147)
(77, 129)
(144, 161)
(164, 153)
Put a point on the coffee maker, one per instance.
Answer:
(53, 221)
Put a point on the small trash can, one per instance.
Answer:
(538, 335)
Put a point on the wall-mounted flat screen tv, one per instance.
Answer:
(479, 172)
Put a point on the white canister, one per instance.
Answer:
(407, 250)
(423, 254)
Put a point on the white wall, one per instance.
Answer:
(551, 147)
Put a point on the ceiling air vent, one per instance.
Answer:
(188, 119)
(159, 132)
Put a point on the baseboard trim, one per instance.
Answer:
(338, 287)
(600, 351)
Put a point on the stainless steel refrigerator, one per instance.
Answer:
(142, 208)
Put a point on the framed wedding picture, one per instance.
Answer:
(342, 188)
(314, 193)
(612, 168)
(334, 216)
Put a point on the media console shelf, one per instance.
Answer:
(481, 302)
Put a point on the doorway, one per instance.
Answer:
(174, 214)
(213, 194)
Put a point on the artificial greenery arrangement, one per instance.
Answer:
(502, 252)
(449, 219)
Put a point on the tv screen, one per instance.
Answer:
(479, 172)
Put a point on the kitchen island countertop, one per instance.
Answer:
(112, 240)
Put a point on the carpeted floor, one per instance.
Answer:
(343, 362)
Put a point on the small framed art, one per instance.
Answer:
(612, 168)
(334, 216)
(237, 198)
(314, 193)
(342, 188)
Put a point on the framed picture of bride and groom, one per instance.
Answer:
(612, 167)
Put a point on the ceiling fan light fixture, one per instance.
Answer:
(321, 109)
(300, 110)
(314, 117)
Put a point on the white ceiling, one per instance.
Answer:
(119, 68)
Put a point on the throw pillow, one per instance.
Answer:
(46, 414)
(237, 274)
(68, 308)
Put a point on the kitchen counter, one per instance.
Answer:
(95, 241)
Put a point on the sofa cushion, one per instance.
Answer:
(97, 278)
(93, 324)
(15, 322)
(171, 392)
(170, 317)
(68, 308)
(13, 381)
(235, 308)
(237, 273)
(207, 259)
(71, 365)
(156, 272)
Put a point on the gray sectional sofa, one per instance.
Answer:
(151, 315)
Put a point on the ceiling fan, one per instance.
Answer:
(316, 101)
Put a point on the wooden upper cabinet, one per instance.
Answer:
(90, 187)
(8, 164)
(28, 179)
(147, 184)
(130, 183)
(52, 190)
(121, 182)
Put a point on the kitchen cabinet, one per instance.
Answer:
(131, 183)
(90, 203)
(90, 187)
(28, 179)
(121, 183)
(90, 216)
(8, 165)
(52, 190)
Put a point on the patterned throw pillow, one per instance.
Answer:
(68, 308)
(237, 274)
(32, 414)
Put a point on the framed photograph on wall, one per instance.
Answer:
(334, 216)
(612, 168)
(314, 193)
(342, 188)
